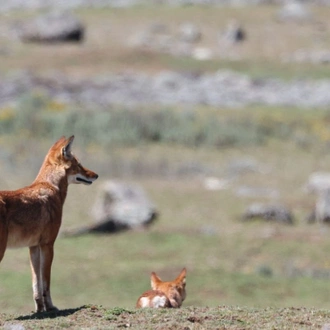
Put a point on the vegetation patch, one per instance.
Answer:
(221, 317)
(36, 115)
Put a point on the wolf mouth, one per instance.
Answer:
(84, 180)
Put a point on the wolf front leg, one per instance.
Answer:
(36, 280)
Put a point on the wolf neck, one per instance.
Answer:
(55, 176)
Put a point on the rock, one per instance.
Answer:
(190, 32)
(245, 165)
(318, 182)
(322, 207)
(202, 54)
(119, 206)
(53, 27)
(13, 326)
(234, 33)
(269, 212)
(219, 89)
(155, 37)
(294, 11)
(253, 192)
(321, 56)
(326, 326)
(213, 183)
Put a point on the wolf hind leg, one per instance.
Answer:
(3, 240)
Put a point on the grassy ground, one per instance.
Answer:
(222, 317)
(229, 262)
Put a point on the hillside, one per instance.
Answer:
(234, 318)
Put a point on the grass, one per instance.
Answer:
(222, 317)
(37, 115)
(226, 258)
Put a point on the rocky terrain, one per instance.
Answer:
(222, 88)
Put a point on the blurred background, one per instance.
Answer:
(208, 124)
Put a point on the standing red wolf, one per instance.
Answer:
(164, 294)
(31, 216)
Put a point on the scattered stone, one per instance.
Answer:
(155, 37)
(322, 207)
(202, 54)
(253, 192)
(269, 212)
(221, 89)
(190, 32)
(294, 11)
(13, 326)
(309, 56)
(53, 27)
(326, 326)
(321, 211)
(234, 33)
(243, 166)
(318, 182)
(213, 184)
(119, 206)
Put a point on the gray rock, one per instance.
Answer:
(13, 326)
(318, 182)
(222, 88)
(294, 11)
(321, 212)
(190, 32)
(322, 207)
(119, 206)
(234, 33)
(269, 212)
(52, 28)
(253, 192)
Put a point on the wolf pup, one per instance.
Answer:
(164, 294)
(31, 216)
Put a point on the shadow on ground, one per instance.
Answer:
(50, 315)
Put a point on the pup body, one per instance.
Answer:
(164, 294)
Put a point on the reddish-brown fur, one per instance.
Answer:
(173, 292)
(31, 216)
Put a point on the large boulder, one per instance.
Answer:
(294, 11)
(318, 182)
(119, 206)
(53, 27)
(269, 212)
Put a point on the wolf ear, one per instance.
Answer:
(155, 280)
(182, 276)
(66, 150)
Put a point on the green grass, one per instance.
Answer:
(36, 115)
(222, 317)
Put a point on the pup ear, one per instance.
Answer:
(66, 150)
(155, 281)
(182, 276)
